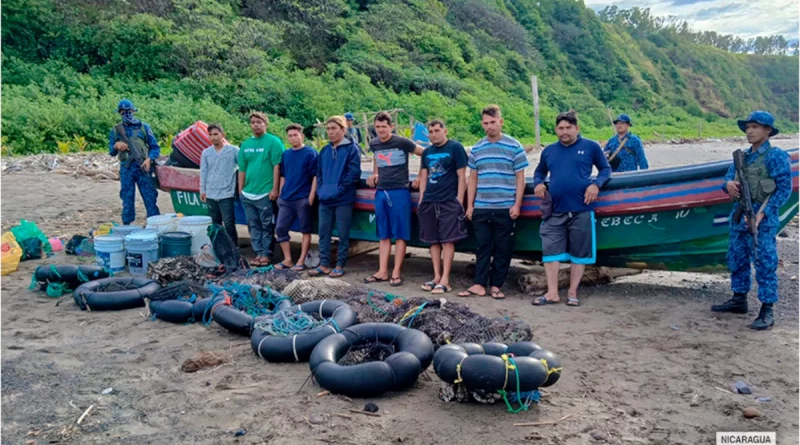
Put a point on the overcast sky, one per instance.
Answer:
(744, 18)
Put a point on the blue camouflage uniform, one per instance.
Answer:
(130, 172)
(628, 162)
(740, 249)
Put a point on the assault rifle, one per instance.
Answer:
(138, 156)
(745, 199)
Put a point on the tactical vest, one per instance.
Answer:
(758, 179)
(137, 138)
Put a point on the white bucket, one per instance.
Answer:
(163, 223)
(110, 252)
(142, 248)
(198, 227)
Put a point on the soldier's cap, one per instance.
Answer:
(623, 118)
(125, 104)
(349, 116)
(759, 117)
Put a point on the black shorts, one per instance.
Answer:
(569, 237)
(441, 222)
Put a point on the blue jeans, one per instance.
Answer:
(260, 223)
(130, 177)
(343, 215)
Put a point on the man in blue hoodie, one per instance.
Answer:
(338, 173)
(131, 173)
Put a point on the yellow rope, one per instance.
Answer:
(458, 371)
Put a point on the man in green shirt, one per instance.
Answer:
(259, 165)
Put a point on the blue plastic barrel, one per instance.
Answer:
(176, 244)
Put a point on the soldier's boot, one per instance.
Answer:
(736, 305)
(765, 318)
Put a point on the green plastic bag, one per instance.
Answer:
(27, 230)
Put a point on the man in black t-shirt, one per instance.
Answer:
(392, 198)
(442, 183)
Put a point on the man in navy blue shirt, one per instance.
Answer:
(568, 234)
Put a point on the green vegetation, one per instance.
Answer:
(65, 65)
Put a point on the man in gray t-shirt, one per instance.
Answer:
(218, 165)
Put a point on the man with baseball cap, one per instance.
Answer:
(353, 133)
(768, 175)
(128, 136)
(624, 150)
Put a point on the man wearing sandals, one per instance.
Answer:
(338, 173)
(494, 198)
(392, 197)
(259, 166)
(569, 232)
(442, 183)
(298, 184)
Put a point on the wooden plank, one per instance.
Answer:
(535, 91)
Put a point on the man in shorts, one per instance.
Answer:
(442, 183)
(569, 233)
(298, 184)
(392, 197)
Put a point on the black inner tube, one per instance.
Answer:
(69, 275)
(399, 371)
(298, 347)
(495, 366)
(93, 295)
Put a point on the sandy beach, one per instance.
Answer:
(644, 360)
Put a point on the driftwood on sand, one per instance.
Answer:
(536, 282)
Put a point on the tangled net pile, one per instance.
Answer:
(289, 322)
(180, 268)
(185, 289)
(263, 277)
(253, 300)
(443, 323)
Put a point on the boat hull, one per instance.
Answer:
(680, 223)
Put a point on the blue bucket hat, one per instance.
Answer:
(759, 117)
(125, 104)
(623, 118)
(349, 116)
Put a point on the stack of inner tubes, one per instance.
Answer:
(297, 347)
(399, 371)
(493, 367)
(128, 293)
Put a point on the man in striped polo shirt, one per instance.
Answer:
(494, 197)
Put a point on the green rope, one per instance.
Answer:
(374, 307)
(56, 290)
(502, 392)
(82, 276)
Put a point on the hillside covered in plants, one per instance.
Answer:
(66, 64)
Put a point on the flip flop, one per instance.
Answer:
(255, 262)
(440, 289)
(374, 279)
(317, 271)
(542, 301)
(282, 266)
(469, 293)
(573, 302)
(498, 295)
(299, 267)
(429, 285)
(336, 273)
(396, 281)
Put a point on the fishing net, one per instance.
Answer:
(179, 268)
(186, 290)
(253, 300)
(263, 277)
(444, 322)
(225, 248)
(369, 352)
(303, 291)
(291, 322)
(116, 286)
